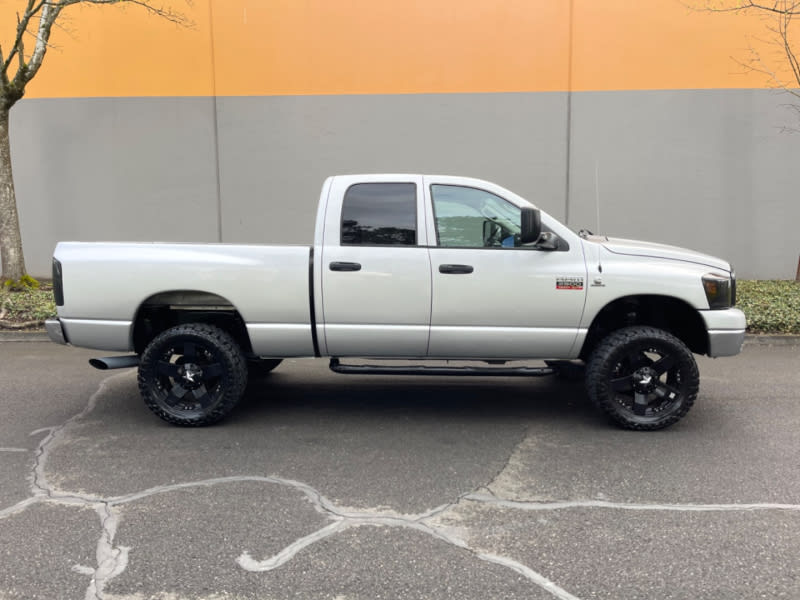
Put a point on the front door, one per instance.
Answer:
(492, 297)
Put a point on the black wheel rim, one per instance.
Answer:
(648, 382)
(188, 379)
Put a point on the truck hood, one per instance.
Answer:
(650, 249)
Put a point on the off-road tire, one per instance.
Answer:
(192, 375)
(643, 378)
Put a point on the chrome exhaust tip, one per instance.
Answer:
(115, 362)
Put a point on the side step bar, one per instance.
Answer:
(338, 367)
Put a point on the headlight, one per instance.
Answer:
(719, 290)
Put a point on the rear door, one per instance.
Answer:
(376, 277)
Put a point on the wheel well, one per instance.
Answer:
(168, 309)
(664, 312)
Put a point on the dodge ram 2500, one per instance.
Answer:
(405, 267)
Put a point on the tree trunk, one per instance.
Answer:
(13, 261)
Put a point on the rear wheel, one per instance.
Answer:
(643, 378)
(192, 374)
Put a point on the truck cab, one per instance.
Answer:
(436, 267)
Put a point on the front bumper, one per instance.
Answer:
(726, 329)
(54, 331)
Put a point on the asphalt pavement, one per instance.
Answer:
(326, 486)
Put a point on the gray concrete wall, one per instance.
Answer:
(704, 169)
(113, 169)
(276, 152)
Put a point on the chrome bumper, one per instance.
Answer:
(725, 343)
(726, 330)
(54, 331)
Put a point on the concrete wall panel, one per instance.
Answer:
(113, 169)
(276, 152)
(707, 169)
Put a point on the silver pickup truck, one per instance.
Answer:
(405, 267)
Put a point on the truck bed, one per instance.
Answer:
(268, 285)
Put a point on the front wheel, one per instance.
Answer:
(192, 374)
(643, 378)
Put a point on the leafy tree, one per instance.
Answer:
(18, 66)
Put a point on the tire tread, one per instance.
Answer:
(597, 379)
(232, 356)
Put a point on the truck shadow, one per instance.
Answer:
(483, 398)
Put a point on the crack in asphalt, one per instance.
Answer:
(113, 560)
(567, 504)
(506, 465)
(343, 519)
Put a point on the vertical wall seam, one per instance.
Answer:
(215, 119)
(568, 149)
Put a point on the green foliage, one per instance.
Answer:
(26, 282)
(28, 304)
(770, 306)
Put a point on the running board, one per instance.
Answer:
(338, 367)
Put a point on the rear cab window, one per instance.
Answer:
(379, 214)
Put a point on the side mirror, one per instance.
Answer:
(548, 241)
(530, 225)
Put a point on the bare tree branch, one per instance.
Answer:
(779, 7)
(31, 10)
(50, 12)
(37, 20)
(757, 64)
(782, 72)
(160, 11)
(787, 47)
(47, 12)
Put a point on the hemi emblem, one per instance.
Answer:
(569, 283)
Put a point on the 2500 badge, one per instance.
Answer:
(569, 283)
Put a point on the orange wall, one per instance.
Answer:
(281, 47)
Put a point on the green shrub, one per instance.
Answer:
(26, 282)
(30, 304)
(770, 306)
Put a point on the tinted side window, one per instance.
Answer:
(380, 214)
